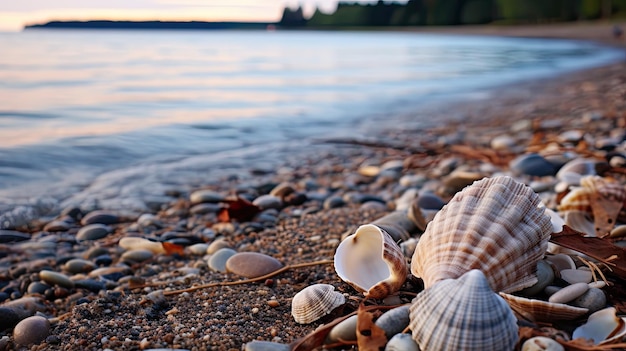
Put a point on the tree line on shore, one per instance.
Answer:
(456, 12)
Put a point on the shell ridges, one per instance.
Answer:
(314, 302)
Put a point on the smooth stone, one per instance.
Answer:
(394, 321)
(412, 180)
(14, 311)
(31, 330)
(580, 166)
(541, 343)
(569, 293)
(198, 249)
(252, 264)
(137, 255)
(598, 285)
(55, 278)
(90, 284)
(561, 261)
(457, 180)
(573, 276)
(593, 300)
(283, 189)
(204, 208)
(345, 330)
(93, 232)
(78, 265)
(333, 202)
(217, 244)
(11, 236)
(618, 232)
(202, 196)
(373, 206)
(533, 165)
(502, 142)
(393, 165)
(57, 226)
(99, 216)
(267, 201)
(257, 345)
(551, 289)
(430, 201)
(545, 277)
(402, 342)
(217, 261)
(37, 288)
(95, 252)
(149, 220)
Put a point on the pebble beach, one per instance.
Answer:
(178, 277)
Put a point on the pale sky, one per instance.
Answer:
(14, 14)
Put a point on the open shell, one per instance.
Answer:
(371, 262)
(542, 311)
(314, 302)
(602, 327)
(462, 314)
(495, 225)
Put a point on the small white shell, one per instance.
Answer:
(462, 314)
(371, 262)
(602, 327)
(314, 302)
(495, 225)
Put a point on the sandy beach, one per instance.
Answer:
(132, 298)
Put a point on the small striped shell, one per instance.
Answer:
(495, 225)
(542, 311)
(314, 302)
(371, 262)
(462, 314)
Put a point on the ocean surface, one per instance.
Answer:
(116, 117)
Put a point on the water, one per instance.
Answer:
(121, 116)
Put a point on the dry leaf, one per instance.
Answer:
(600, 249)
(369, 336)
(238, 209)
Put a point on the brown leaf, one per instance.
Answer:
(171, 248)
(600, 249)
(369, 336)
(238, 209)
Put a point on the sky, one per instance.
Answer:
(14, 14)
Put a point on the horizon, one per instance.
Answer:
(14, 16)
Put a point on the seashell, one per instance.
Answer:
(314, 302)
(580, 221)
(557, 221)
(462, 314)
(602, 327)
(495, 225)
(401, 342)
(541, 343)
(371, 262)
(542, 311)
(561, 261)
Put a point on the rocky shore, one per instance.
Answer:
(176, 278)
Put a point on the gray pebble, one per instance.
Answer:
(430, 201)
(205, 208)
(569, 293)
(137, 255)
(533, 165)
(202, 196)
(217, 261)
(593, 300)
(257, 345)
(37, 288)
(345, 330)
(402, 342)
(78, 265)
(573, 276)
(394, 321)
(31, 330)
(93, 232)
(102, 217)
(545, 277)
(55, 278)
(265, 202)
(217, 244)
(334, 202)
(10, 236)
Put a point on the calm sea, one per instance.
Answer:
(119, 116)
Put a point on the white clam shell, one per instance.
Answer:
(602, 327)
(541, 343)
(495, 225)
(462, 314)
(371, 262)
(314, 302)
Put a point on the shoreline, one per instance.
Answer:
(531, 114)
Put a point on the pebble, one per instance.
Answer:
(573, 276)
(205, 208)
(93, 232)
(345, 330)
(545, 277)
(618, 232)
(57, 226)
(283, 189)
(217, 244)
(102, 217)
(333, 202)
(541, 343)
(252, 264)
(55, 278)
(137, 255)
(202, 196)
(502, 142)
(31, 330)
(532, 165)
(78, 265)
(402, 342)
(257, 345)
(593, 300)
(394, 321)
(265, 202)
(217, 261)
(11, 236)
(198, 249)
(569, 293)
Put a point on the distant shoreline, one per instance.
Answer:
(152, 25)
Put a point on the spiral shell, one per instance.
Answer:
(314, 302)
(371, 262)
(462, 314)
(495, 225)
(542, 311)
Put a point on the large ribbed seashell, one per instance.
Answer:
(314, 302)
(371, 262)
(495, 225)
(542, 311)
(462, 314)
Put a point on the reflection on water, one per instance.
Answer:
(97, 101)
